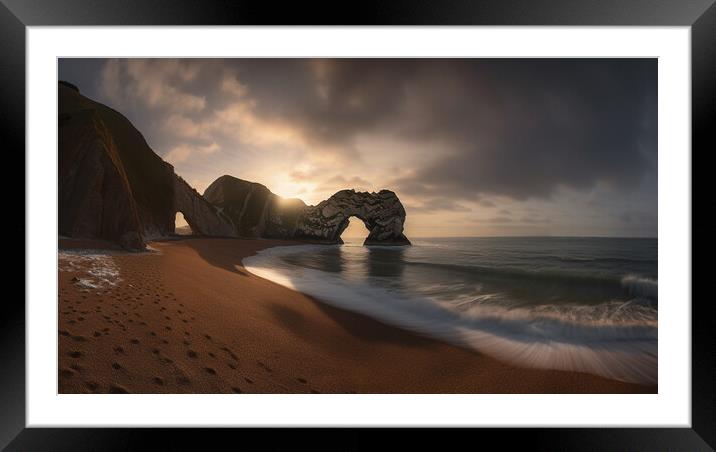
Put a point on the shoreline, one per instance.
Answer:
(189, 318)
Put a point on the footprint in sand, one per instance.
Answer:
(116, 366)
(191, 354)
(232, 354)
(92, 385)
(66, 373)
(236, 390)
(158, 381)
(117, 389)
(76, 354)
(302, 380)
(209, 370)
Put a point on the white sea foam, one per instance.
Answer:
(615, 340)
(97, 270)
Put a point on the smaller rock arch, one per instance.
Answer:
(203, 218)
(382, 213)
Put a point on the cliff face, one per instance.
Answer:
(256, 212)
(95, 199)
(112, 186)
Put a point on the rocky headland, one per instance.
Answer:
(114, 187)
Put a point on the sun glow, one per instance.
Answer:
(287, 189)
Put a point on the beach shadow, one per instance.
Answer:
(359, 326)
(217, 254)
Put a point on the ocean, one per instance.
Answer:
(566, 303)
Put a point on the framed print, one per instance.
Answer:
(232, 221)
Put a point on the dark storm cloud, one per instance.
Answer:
(438, 204)
(541, 125)
(518, 128)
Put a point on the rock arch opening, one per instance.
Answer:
(181, 225)
(356, 231)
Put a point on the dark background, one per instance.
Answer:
(15, 15)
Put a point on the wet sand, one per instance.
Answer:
(188, 318)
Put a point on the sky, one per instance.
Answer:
(472, 147)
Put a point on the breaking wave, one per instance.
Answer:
(616, 339)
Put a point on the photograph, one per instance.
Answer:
(357, 225)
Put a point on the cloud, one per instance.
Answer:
(182, 152)
(230, 84)
(507, 127)
(437, 205)
(519, 128)
(496, 220)
(181, 126)
(637, 217)
(152, 82)
(177, 155)
(559, 123)
(340, 182)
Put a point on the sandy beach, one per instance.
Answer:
(186, 317)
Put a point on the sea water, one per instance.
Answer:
(580, 304)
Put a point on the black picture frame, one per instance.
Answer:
(16, 15)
